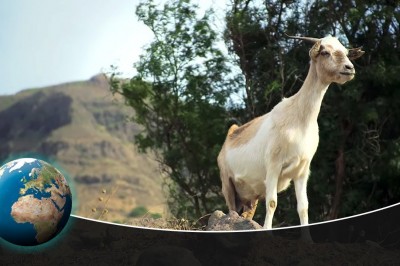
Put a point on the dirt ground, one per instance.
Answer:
(93, 243)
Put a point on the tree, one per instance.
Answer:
(184, 82)
(365, 118)
(254, 34)
(356, 166)
(179, 95)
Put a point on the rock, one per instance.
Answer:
(230, 222)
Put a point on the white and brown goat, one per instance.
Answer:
(261, 158)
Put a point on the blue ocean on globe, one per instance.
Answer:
(35, 202)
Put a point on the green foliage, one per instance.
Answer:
(358, 121)
(139, 211)
(179, 96)
(155, 215)
(253, 33)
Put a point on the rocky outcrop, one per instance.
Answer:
(93, 179)
(52, 148)
(219, 221)
(35, 116)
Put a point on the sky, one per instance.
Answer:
(48, 42)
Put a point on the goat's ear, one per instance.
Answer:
(314, 52)
(355, 53)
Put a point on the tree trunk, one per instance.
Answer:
(339, 177)
(340, 173)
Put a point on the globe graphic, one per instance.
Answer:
(35, 202)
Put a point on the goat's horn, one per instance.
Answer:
(308, 39)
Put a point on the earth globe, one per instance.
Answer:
(35, 202)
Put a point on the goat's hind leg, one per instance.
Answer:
(248, 211)
(229, 192)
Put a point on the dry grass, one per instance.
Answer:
(104, 209)
(166, 223)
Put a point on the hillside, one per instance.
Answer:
(83, 128)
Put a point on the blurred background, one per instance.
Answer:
(143, 136)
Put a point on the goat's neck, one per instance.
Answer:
(309, 97)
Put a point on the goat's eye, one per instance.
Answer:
(325, 53)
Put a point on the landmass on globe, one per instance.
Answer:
(42, 196)
(43, 213)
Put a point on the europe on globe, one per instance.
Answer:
(35, 202)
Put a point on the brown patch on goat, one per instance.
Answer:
(355, 53)
(315, 49)
(243, 134)
(339, 56)
(232, 129)
(272, 204)
(249, 209)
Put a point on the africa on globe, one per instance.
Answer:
(35, 202)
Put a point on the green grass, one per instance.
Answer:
(141, 211)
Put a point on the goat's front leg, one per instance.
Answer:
(271, 198)
(300, 185)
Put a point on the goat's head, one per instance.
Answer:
(332, 59)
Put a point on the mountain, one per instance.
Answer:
(85, 130)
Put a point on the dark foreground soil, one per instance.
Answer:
(94, 243)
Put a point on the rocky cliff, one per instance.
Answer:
(87, 131)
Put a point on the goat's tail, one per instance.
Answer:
(232, 129)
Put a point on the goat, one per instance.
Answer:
(261, 158)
